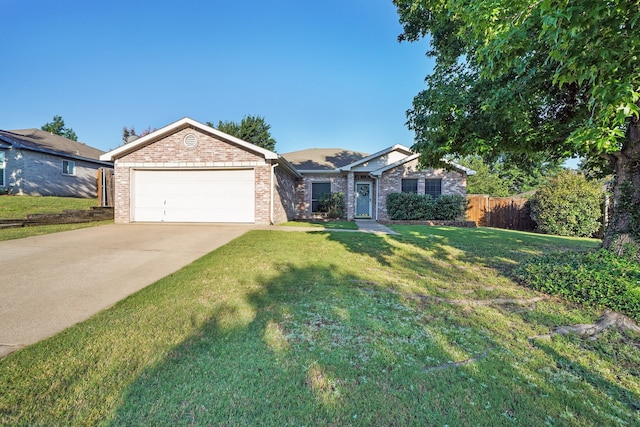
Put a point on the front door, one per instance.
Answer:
(363, 199)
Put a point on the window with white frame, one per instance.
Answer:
(68, 167)
(3, 167)
(433, 187)
(410, 186)
(318, 189)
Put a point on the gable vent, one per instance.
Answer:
(190, 141)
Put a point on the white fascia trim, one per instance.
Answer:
(319, 172)
(396, 147)
(288, 166)
(379, 172)
(178, 125)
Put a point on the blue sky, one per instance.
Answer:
(327, 73)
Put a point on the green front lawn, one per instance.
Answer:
(328, 224)
(16, 207)
(329, 328)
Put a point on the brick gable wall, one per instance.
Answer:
(170, 152)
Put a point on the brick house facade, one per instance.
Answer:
(374, 176)
(189, 146)
(191, 172)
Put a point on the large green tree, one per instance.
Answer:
(253, 129)
(552, 77)
(508, 176)
(57, 127)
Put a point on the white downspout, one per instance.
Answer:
(377, 197)
(273, 189)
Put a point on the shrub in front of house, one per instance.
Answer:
(450, 207)
(422, 207)
(569, 205)
(332, 204)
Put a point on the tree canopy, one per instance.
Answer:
(127, 133)
(253, 129)
(507, 176)
(552, 78)
(57, 127)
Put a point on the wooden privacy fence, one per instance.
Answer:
(105, 187)
(512, 213)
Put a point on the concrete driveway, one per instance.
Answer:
(48, 283)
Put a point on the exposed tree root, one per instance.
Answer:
(608, 320)
(484, 302)
(461, 363)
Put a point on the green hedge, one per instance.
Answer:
(569, 205)
(420, 207)
(599, 278)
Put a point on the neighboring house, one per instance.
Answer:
(190, 172)
(38, 163)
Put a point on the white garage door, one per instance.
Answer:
(194, 195)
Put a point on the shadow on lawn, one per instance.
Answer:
(614, 391)
(319, 351)
(324, 346)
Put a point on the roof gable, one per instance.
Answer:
(416, 156)
(46, 142)
(380, 159)
(177, 126)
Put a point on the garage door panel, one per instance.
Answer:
(194, 196)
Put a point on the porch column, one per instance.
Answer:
(350, 196)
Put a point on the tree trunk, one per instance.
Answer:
(624, 223)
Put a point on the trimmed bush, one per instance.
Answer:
(450, 207)
(568, 206)
(601, 279)
(332, 204)
(421, 207)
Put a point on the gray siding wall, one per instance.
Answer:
(39, 174)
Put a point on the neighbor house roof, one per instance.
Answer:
(179, 125)
(46, 142)
(323, 159)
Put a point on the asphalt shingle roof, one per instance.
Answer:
(323, 159)
(39, 140)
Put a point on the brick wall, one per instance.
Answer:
(338, 184)
(170, 152)
(391, 182)
(285, 200)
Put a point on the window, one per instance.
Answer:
(409, 185)
(2, 168)
(433, 187)
(317, 190)
(68, 167)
